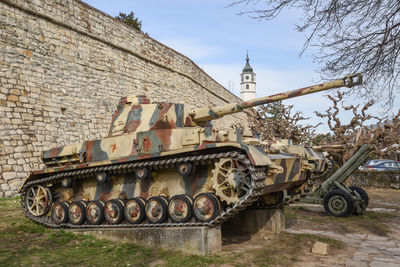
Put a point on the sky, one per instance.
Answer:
(216, 38)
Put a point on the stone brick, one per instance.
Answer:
(9, 175)
(13, 98)
(11, 161)
(15, 92)
(320, 248)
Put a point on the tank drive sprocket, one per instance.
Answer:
(231, 180)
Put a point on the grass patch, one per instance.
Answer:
(290, 215)
(24, 243)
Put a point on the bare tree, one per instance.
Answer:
(277, 120)
(383, 137)
(350, 36)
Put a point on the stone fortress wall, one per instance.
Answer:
(63, 67)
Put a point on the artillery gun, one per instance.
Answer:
(162, 164)
(338, 199)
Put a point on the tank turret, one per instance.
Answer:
(164, 163)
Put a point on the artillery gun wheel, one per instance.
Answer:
(206, 207)
(95, 212)
(180, 208)
(38, 200)
(185, 169)
(77, 212)
(339, 203)
(134, 210)
(231, 180)
(59, 212)
(363, 194)
(114, 211)
(157, 209)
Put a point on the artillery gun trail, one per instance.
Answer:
(163, 165)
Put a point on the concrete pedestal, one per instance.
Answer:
(193, 240)
(252, 221)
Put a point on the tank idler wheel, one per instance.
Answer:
(339, 203)
(66, 182)
(180, 208)
(38, 200)
(95, 212)
(134, 210)
(102, 177)
(363, 194)
(142, 173)
(157, 209)
(77, 212)
(114, 211)
(206, 207)
(59, 212)
(185, 169)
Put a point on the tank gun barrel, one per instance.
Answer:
(211, 113)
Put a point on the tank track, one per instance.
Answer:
(258, 175)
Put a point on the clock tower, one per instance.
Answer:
(248, 82)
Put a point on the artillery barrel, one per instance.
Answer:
(320, 147)
(347, 169)
(210, 113)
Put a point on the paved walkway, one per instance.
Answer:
(371, 250)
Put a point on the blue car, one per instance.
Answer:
(381, 165)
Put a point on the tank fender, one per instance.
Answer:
(257, 155)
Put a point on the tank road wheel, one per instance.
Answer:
(114, 211)
(231, 180)
(339, 203)
(95, 212)
(101, 177)
(38, 200)
(180, 209)
(59, 212)
(206, 207)
(134, 210)
(363, 194)
(156, 209)
(185, 169)
(142, 173)
(77, 212)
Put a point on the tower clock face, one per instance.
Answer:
(247, 77)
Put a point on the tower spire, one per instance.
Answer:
(248, 81)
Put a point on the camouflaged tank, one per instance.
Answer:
(163, 164)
